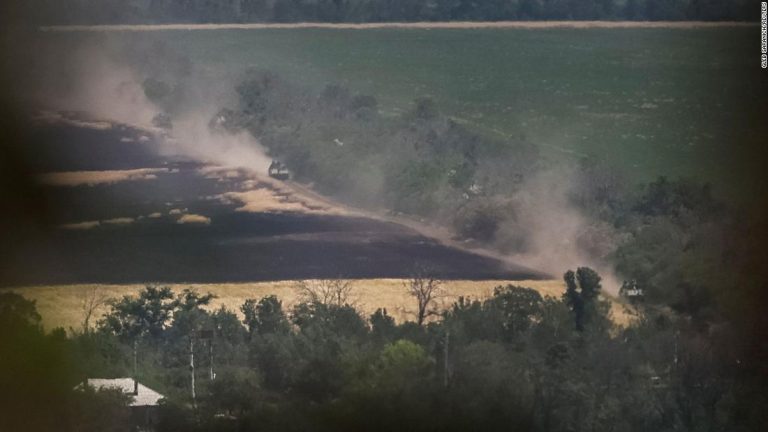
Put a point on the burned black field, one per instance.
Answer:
(174, 226)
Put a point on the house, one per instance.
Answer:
(143, 405)
(278, 170)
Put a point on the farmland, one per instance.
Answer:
(679, 102)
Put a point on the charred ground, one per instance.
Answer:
(132, 231)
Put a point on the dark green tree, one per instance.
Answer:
(383, 326)
(17, 313)
(581, 294)
(147, 314)
(265, 316)
(518, 307)
(105, 410)
(36, 375)
(188, 313)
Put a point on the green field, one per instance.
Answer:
(651, 101)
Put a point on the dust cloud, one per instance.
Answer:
(108, 81)
(557, 234)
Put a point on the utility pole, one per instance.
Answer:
(135, 367)
(210, 359)
(445, 358)
(677, 355)
(208, 336)
(192, 368)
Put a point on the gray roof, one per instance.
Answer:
(145, 397)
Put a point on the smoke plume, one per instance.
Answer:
(557, 234)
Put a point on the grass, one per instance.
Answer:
(60, 305)
(650, 101)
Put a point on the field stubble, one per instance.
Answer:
(61, 305)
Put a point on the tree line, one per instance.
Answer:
(205, 11)
(515, 360)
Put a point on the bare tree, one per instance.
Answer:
(426, 289)
(336, 292)
(91, 300)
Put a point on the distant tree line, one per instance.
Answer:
(206, 11)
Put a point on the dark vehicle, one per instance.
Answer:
(631, 290)
(279, 171)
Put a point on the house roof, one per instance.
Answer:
(145, 397)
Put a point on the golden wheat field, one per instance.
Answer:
(62, 305)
